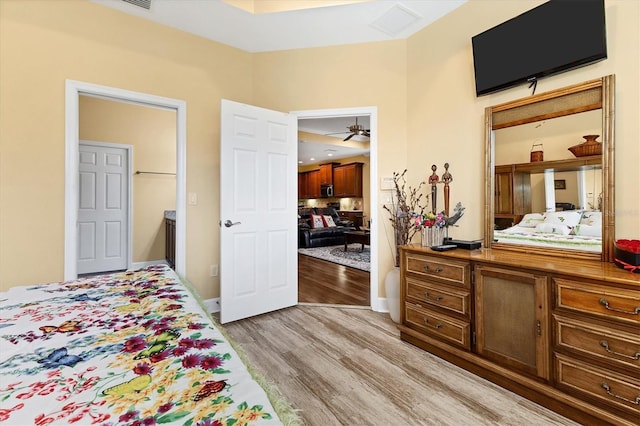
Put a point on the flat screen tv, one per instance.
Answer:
(554, 37)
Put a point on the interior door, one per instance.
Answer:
(102, 208)
(258, 226)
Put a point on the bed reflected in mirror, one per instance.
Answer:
(551, 202)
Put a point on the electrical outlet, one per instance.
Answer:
(193, 198)
(213, 271)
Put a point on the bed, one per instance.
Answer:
(575, 229)
(133, 348)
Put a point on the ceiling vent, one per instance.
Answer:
(396, 19)
(145, 4)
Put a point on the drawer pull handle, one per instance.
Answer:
(437, 298)
(607, 389)
(605, 345)
(605, 303)
(437, 326)
(427, 269)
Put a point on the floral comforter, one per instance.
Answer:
(132, 348)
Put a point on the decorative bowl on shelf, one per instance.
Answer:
(590, 147)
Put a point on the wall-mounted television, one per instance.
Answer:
(554, 37)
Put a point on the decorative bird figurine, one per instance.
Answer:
(458, 212)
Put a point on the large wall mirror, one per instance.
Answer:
(540, 196)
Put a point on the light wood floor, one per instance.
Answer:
(320, 281)
(348, 366)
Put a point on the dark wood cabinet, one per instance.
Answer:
(313, 184)
(347, 180)
(326, 174)
(512, 195)
(302, 185)
(355, 216)
(170, 241)
(309, 184)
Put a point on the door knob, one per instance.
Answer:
(229, 224)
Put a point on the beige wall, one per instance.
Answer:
(423, 88)
(42, 43)
(152, 133)
(372, 74)
(445, 119)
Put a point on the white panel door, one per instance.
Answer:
(258, 197)
(102, 208)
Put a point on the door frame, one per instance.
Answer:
(377, 304)
(73, 90)
(129, 149)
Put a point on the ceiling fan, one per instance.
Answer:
(355, 130)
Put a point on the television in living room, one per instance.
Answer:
(556, 36)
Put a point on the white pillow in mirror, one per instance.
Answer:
(593, 218)
(530, 220)
(553, 228)
(588, 230)
(569, 218)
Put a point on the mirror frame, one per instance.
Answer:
(583, 97)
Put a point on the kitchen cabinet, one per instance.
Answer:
(309, 184)
(561, 332)
(326, 173)
(347, 180)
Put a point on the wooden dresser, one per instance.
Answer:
(562, 332)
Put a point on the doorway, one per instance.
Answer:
(323, 132)
(74, 90)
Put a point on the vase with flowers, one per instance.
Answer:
(434, 226)
(404, 207)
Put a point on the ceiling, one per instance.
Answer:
(358, 21)
(332, 147)
(355, 22)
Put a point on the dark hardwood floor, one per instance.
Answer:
(320, 281)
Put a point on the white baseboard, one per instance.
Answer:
(140, 265)
(383, 305)
(212, 305)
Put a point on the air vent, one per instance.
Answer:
(396, 19)
(145, 4)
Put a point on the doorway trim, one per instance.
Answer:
(377, 304)
(129, 149)
(73, 90)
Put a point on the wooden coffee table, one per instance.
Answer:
(362, 237)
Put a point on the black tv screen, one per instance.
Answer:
(554, 37)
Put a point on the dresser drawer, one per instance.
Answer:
(438, 295)
(613, 389)
(606, 302)
(613, 345)
(438, 325)
(445, 270)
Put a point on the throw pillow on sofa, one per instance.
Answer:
(317, 221)
(328, 221)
